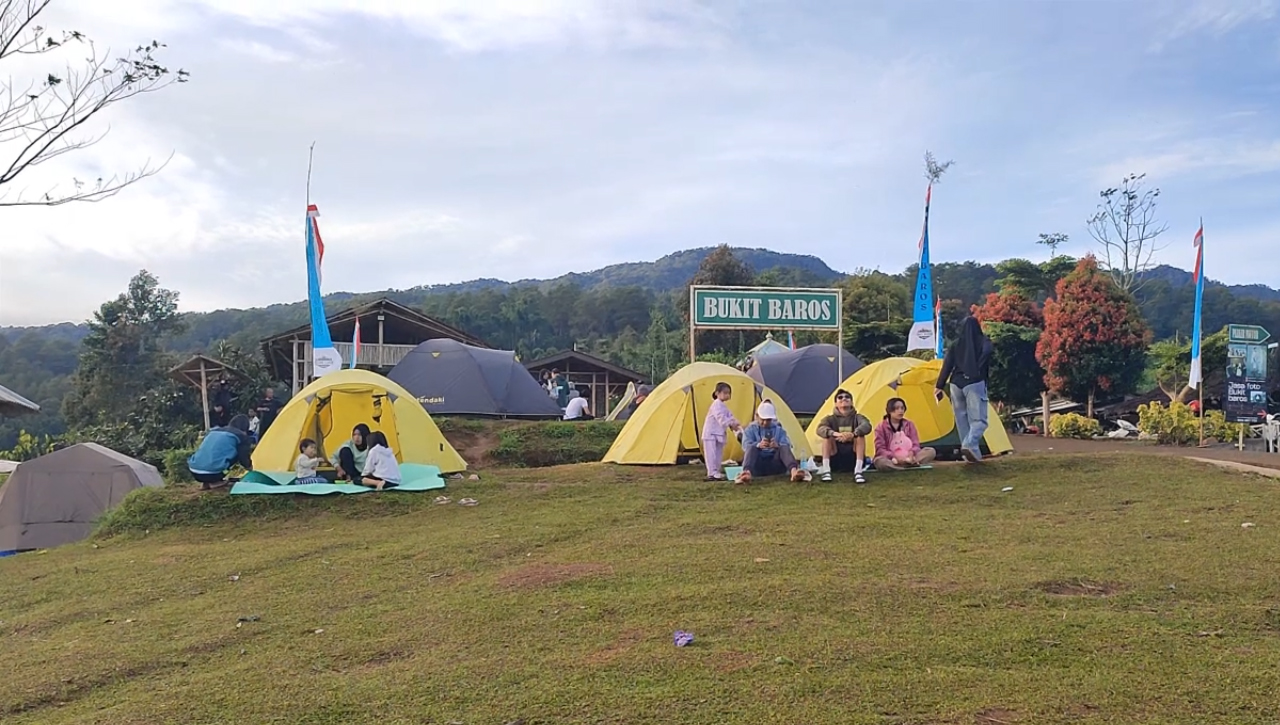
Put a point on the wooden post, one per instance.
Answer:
(1241, 444)
(693, 342)
(1201, 386)
(1044, 413)
(204, 393)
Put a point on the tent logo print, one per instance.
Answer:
(433, 401)
(435, 354)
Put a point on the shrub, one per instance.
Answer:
(535, 445)
(175, 465)
(28, 447)
(1174, 425)
(1074, 425)
(151, 509)
(1217, 427)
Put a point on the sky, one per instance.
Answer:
(457, 139)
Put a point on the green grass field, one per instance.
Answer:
(1099, 590)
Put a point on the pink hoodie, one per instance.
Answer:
(719, 420)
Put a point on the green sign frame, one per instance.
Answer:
(1247, 334)
(766, 308)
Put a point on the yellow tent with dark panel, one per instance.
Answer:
(668, 426)
(913, 381)
(327, 410)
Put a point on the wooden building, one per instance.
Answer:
(606, 381)
(388, 331)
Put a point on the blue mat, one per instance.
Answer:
(417, 478)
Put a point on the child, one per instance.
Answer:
(255, 426)
(380, 467)
(308, 460)
(719, 421)
(897, 441)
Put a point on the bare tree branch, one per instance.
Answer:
(44, 119)
(1127, 231)
(933, 170)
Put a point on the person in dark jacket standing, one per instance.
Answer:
(222, 448)
(965, 369)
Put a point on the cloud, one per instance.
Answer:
(1214, 17)
(458, 140)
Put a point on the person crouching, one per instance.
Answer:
(844, 438)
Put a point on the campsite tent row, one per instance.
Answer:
(666, 428)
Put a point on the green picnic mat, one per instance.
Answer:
(417, 477)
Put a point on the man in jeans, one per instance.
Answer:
(965, 369)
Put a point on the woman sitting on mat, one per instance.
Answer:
(897, 441)
(380, 466)
(350, 458)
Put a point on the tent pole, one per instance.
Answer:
(204, 394)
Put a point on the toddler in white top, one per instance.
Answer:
(308, 460)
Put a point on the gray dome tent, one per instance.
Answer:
(450, 378)
(56, 498)
(805, 378)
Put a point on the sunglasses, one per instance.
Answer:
(844, 397)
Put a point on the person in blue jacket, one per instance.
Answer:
(222, 448)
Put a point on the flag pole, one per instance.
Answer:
(311, 154)
(1200, 332)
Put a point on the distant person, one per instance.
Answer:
(560, 384)
(547, 380)
(350, 457)
(642, 392)
(268, 408)
(578, 408)
(255, 426)
(220, 449)
(965, 369)
(898, 441)
(767, 448)
(381, 469)
(220, 396)
(844, 439)
(715, 430)
(308, 461)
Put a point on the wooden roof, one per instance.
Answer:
(584, 360)
(401, 325)
(189, 372)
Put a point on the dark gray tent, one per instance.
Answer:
(805, 377)
(55, 499)
(450, 378)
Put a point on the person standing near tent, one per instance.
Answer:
(965, 369)
(560, 384)
(220, 396)
(222, 448)
(898, 441)
(715, 430)
(767, 449)
(350, 457)
(268, 409)
(844, 439)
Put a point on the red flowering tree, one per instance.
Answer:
(1014, 324)
(1094, 337)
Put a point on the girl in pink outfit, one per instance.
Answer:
(715, 430)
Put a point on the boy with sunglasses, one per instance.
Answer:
(844, 439)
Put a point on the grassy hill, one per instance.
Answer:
(1101, 589)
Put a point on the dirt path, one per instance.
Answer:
(1036, 445)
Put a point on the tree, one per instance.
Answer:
(1127, 231)
(1011, 307)
(1033, 281)
(1171, 363)
(1053, 241)
(720, 268)
(933, 170)
(122, 357)
(48, 118)
(1094, 337)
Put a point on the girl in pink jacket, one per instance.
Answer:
(716, 429)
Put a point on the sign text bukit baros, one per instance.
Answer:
(765, 308)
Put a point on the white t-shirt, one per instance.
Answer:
(575, 409)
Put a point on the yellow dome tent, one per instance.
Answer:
(327, 410)
(627, 396)
(668, 426)
(913, 381)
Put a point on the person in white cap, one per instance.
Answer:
(766, 447)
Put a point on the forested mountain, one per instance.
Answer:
(628, 313)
